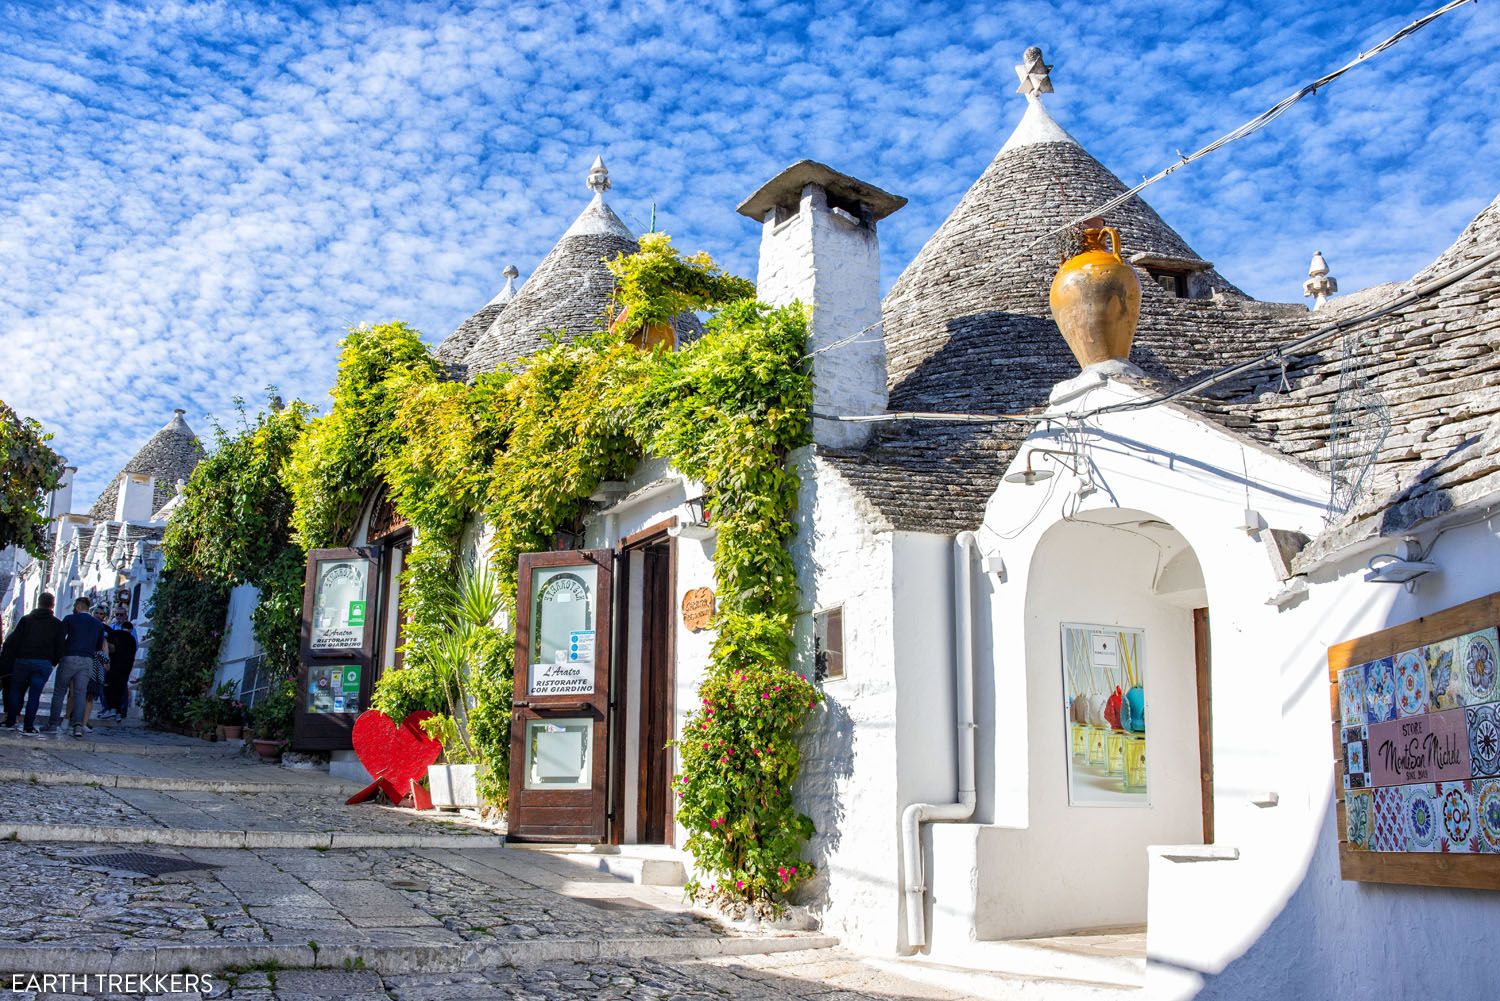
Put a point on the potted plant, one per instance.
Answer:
(475, 604)
(271, 719)
(231, 713)
(203, 715)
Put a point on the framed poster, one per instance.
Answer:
(341, 608)
(1416, 733)
(1104, 713)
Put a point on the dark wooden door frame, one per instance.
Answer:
(564, 815)
(1203, 661)
(639, 542)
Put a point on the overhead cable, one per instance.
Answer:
(1252, 126)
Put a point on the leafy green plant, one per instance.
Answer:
(187, 625)
(29, 470)
(521, 451)
(271, 717)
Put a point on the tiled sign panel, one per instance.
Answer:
(1420, 747)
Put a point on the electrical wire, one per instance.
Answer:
(1254, 125)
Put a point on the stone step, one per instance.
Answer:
(384, 958)
(174, 784)
(188, 838)
(648, 865)
(1059, 968)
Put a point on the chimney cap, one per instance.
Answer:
(787, 186)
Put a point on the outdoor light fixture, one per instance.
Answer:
(1252, 522)
(1401, 567)
(1028, 475)
(1388, 568)
(697, 526)
(994, 566)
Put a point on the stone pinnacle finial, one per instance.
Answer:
(599, 181)
(1035, 75)
(1319, 285)
(507, 293)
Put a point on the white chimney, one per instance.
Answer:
(134, 501)
(818, 245)
(61, 500)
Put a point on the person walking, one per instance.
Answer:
(122, 651)
(31, 650)
(83, 636)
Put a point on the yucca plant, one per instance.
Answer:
(475, 606)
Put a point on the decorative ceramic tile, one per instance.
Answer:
(1356, 757)
(1484, 739)
(1380, 690)
(1411, 683)
(1352, 695)
(1487, 814)
(1477, 666)
(1390, 830)
(1459, 832)
(1444, 688)
(1423, 817)
(1359, 808)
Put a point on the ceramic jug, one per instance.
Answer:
(1096, 299)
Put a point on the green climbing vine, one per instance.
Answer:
(520, 451)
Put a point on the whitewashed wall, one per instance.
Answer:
(1278, 914)
(239, 642)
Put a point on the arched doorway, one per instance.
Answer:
(1117, 683)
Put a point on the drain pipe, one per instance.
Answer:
(965, 546)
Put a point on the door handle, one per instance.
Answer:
(563, 706)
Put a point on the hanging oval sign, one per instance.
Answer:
(698, 608)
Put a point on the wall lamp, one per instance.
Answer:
(1030, 475)
(1391, 568)
(698, 524)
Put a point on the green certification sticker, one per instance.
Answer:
(356, 613)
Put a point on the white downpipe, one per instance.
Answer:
(965, 545)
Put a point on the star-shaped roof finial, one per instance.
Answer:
(598, 181)
(1034, 74)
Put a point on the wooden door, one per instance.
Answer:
(559, 711)
(1204, 666)
(653, 801)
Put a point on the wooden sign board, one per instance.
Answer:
(1416, 732)
(698, 609)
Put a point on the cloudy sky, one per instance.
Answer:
(196, 199)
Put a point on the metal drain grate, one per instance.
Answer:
(148, 865)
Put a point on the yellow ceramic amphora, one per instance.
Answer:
(1096, 299)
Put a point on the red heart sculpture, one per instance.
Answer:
(395, 756)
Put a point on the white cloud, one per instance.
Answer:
(196, 198)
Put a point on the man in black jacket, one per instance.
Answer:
(31, 651)
(122, 649)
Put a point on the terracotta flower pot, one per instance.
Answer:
(268, 749)
(227, 732)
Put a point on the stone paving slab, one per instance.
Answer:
(768, 976)
(437, 910)
(36, 811)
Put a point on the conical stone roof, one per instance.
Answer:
(968, 326)
(170, 455)
(457, 345)
(569, 291)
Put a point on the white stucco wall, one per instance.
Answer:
(849, 758)
(1278, 914)
(238, 642)
(1072, 866)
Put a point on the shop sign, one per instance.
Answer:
(698, 609)
(338, 614)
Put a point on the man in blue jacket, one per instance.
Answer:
(31, 650)
(83, 636)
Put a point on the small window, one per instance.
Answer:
(828, 644)
(1174, 282)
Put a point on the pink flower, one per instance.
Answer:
(684, 780)
(739, 884)
(781, 871)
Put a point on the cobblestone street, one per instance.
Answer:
(441, 910)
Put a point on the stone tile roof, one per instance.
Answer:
(968, 328)
(1436, 366)
(569, 293)
(457, 345)
(170, 455)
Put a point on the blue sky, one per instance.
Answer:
(196, 199)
